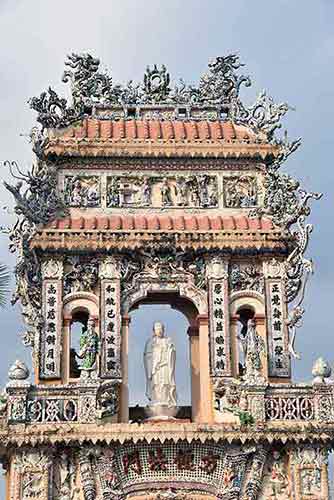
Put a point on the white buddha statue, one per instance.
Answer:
(159, 362)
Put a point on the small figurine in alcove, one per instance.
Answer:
(89, 346)
(254, 346)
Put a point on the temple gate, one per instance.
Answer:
(153, 193)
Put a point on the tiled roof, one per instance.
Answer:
(154, 130)
(160, 222)
(108, 232)
(101, 137)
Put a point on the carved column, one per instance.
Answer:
(262, 330)
(124, 396)
(206, 394)
(256, 474)
(195, 372)
(66, 350)
(110, 319)
(220, 347)
(87, 474)
(235, 354)
(17, 392)
(256, 404)
(278, 340)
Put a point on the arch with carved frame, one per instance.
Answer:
(252, 304)
(190, 301)
(78, 307)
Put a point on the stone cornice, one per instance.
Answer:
(36, 434)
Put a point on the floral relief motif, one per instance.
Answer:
(246, 277)
(80, 275)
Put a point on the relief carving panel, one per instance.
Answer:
(162, 192)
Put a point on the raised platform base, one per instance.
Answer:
(160, 412)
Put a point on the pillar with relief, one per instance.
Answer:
(153, 194)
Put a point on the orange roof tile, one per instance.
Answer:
(156, 130)
(101, 137)
(119, 222)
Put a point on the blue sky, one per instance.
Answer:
(288, 48)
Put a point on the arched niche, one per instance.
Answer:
(77, 309)
(185, 295)
(81, 301)
(245, 305)
(189, 307)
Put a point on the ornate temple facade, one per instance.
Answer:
(155, 193)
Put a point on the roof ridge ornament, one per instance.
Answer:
(216, 97)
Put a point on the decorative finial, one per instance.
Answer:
(215, 97)
(18, 371)
(320, 371)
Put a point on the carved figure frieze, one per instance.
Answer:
(246, 277)
(240, 192)
(82, 191)
(156, 191)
